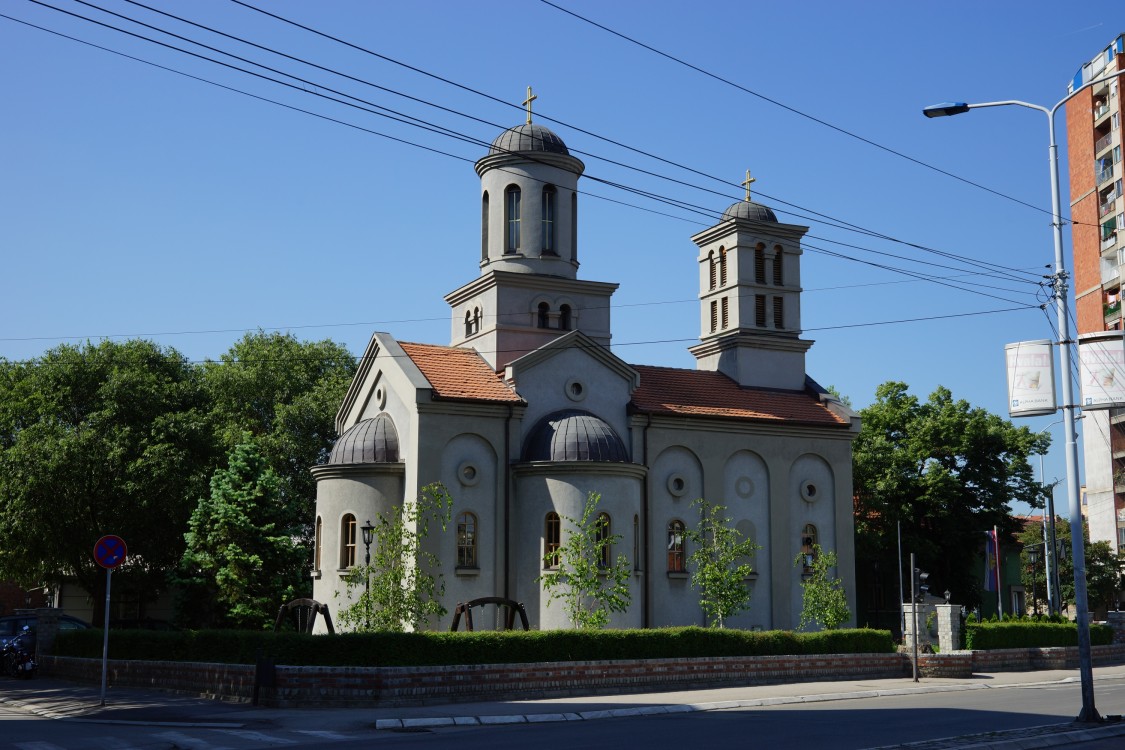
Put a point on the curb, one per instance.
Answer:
(47, 713)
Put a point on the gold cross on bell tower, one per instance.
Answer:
(527, 103)
(747, 182)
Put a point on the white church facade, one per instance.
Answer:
(527, 410)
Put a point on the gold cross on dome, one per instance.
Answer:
(747, 182)
(527, 103)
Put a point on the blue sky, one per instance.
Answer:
(136, 201)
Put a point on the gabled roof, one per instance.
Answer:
(459, 374)
(674, 391)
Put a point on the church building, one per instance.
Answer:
(527, 410)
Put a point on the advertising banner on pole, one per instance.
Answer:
(1101, 358)
(1031, 378)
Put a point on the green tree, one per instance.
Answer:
(948, 472)
(402, 587)
(285, 393)
(582, 576)
(1103, 567)
(823, 600)
(720, 564)
(107, 438)
(238, 549)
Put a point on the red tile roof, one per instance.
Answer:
(668, 390)
(459, 374)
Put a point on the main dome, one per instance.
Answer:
(574, 435)
(750, 210)
(528, 138)
(369, 441)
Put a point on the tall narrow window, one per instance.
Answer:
(466, 540)
(637, 542)
(601, 537)
(722, 266)
(714, 316)
(676, 547)
(549, 218)
(512, 217)
(544, 317)
(476, 320)
(808, 545)
(711, 269)
(726, 313)
(318, 544)
(552, 530)
(484, 226)
(778, 312)
(760, 264)
(574, 227)
(777, 277)
(760, 310)
(468, 323)
(347, 541)
(564, 318)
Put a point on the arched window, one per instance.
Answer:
(808, 545)
(574, 226)
(636, 542)
(676, 562)
(714, 315)
(347, 541)
(601, 538)
(552, 531)
(564, 318)
(476, 319)
(711, 269)
(468, 323)
(466, 540)
(722, 266)
(544, 315)
(512, 218)
(318, 543)
(549, 218)
(760, 264)
(777, 277)
(484, 226)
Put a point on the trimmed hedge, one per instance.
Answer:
(481, 647)
(984, 636)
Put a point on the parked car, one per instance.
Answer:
(11, 626)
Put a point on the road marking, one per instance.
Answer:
(185, 741)
(327, 734)
(247, 734)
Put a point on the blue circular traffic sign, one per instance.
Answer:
(110, 551)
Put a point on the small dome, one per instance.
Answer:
(750, 210)
(574, 435)
(370, 441)
(528, 138)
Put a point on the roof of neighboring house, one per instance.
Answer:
(668, 390)
(459, 374)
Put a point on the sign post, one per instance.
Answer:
(109, 552)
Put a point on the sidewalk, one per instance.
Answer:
(68, 701)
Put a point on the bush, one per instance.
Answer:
(984, 636)
(482, 647)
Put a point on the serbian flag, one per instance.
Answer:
(991, 562)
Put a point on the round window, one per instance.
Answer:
(744, 487)
(677, 485)
(575, 389)
(808, 492)
(468, 474)
(381, 396)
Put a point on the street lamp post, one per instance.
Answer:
(1033, 554)
(1051, 562)
(368, 536)
(1089, 711)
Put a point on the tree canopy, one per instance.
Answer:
(948, 471)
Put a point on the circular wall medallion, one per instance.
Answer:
(744, 487)
(380, 396)
(677, 485)
(808, 492)
(575, 389)
(468, 474)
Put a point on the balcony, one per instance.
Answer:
(1101, 110)
(1104, 142)
(1111, 275)
(1104, 174)
(1106, 208)
(1109, 241)
(1112, 312)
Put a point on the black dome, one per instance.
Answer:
(574, 435)
(750, 210)
(370, 441)
(528, 138)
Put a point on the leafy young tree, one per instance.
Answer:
(97, 439)
(406, 585)
(589, 588)
(1103, 567)
(944, 469)
(720, 563)
(237, 546)
(823, 600)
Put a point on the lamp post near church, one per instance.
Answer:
(1089, 712)
(368, 536)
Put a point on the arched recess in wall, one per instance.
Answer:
(747, 495)
(469, 471)
(811, 493)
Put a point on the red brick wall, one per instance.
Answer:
(1085, 240)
